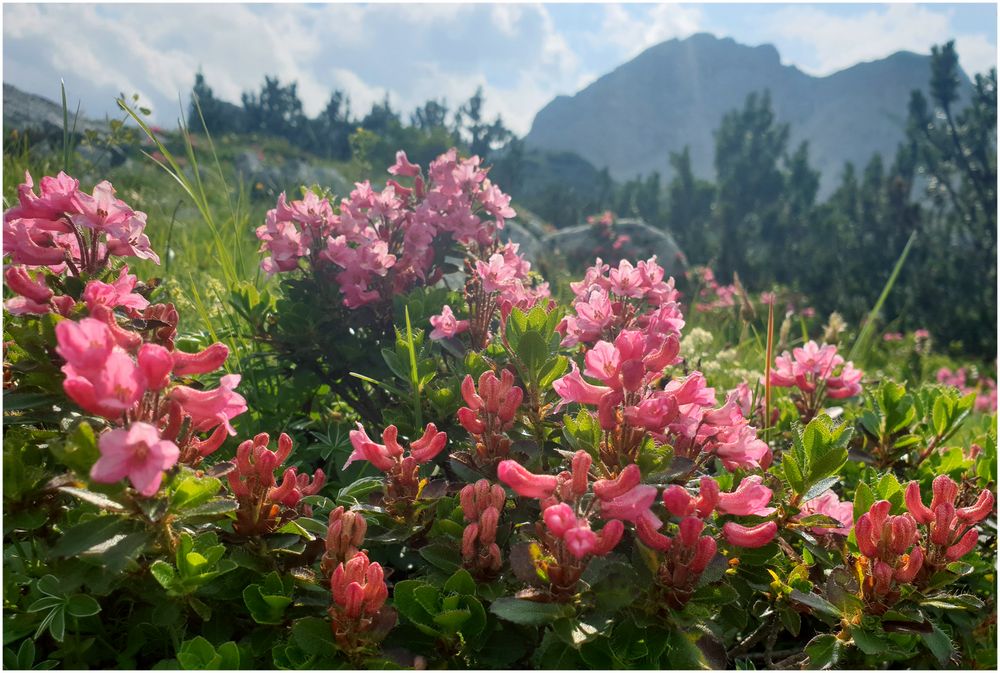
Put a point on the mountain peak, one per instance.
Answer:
(675, 93)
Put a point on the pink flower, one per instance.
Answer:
(116, 294)
(750, 497)
(137, 453)
(572, 388)
(110, 391)
(446, 326)
(630, 506)
(209, 408)
(496, 275)
(155, 364)
(403, 166)
(85, 345)
(829, 504)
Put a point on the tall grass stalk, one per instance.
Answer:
(863, 342)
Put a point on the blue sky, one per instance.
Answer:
(522, 54)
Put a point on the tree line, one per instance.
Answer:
(759, 218)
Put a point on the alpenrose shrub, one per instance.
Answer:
(552, 486)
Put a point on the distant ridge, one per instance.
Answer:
(675, 94)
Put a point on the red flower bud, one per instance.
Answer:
(470, 421)
(607, 489)
(609, 537)
(525, 483)
(677, 500)
(963, 546)
(945, 491)
(752, 537)
(429, 445)
(911, 566)
(581, 466)
(704, 553)
(690, 530)
(979, 511)
(915, 505)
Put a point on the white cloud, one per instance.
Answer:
(641, 26)
(838, 41)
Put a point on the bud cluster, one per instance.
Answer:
(949, 529)
(891, 554)
(402, 471)
(359, 594)
(482, 504)
(490, 412)
(688, 552)
(565, 532)
(345, 533)
(264, 505)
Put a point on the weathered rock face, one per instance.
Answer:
(625, 239)
(287, 174)
(24, 111)
(529, 245)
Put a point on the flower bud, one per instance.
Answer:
(470, 421)
(469, 537)
(963, 546)
(708, 497)
(354, 598)
(703, 554)
(677, 500)
(474, 401)
(750, 537)
(690, 529)
(580, 540)
(979, 511)
(910, 566)
(488, 525)
(581, 466)
(203, 362)
(647, 527)
(902, 533)
(559, 519)
(467, 498)
(863, 531)
(429, 445)
(525, 483)
(609, 537)
(944, 515)
(915, 505)
(945, 491)
(607, 489)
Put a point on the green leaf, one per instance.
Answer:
(939, 644)
(442, 556)
(824, 651)
(99, 499)
(89, 534)
(817, 603)
(81, 605)
(533, 352)
(194, 491)
(461, 583)
(313, 636)
(163, 572)
(820, 486)
(451, 621)
(530, 613)
(793, 473)
(404, 598)
(863, 500)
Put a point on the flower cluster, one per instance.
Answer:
(564, 533)
(381, 243)
(949, 533)
(64, 228)
(985, 387)
(891, 554)
(111, 372)
(344, 534)
(490, 412)
(609, 300)
(712, 295)
(265, 505)
(811, 369)
(402, 471)
(502, 281)
(359, 593)
(482, 504)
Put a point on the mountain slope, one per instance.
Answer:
(676, 93)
